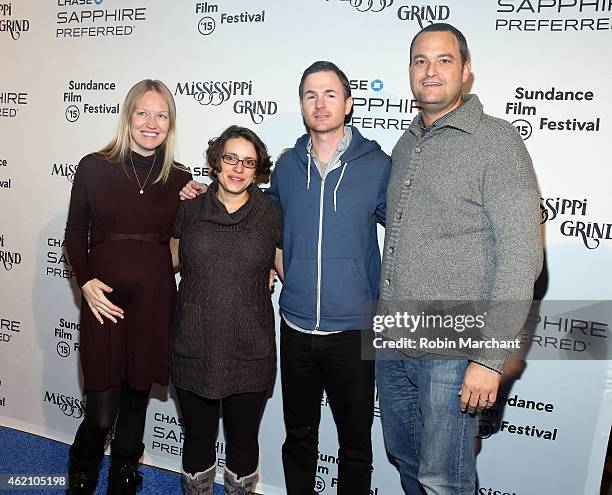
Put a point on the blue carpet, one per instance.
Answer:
(24, 454)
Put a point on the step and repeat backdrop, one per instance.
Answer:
(544, 65)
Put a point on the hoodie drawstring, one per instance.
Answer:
(308, 183)
(338, 184)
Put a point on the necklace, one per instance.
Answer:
(136, 175)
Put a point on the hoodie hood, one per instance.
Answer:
(359, 147)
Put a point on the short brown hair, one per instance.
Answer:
(216, 145)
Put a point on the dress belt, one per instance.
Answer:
(111, 236)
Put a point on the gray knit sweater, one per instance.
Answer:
(463, 225)
(222, 340)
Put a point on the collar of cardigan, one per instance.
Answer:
(465, 117)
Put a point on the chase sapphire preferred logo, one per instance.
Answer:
(375, 109)
(81, 19)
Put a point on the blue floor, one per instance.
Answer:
(23, 454)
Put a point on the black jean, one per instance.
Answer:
(241, 419)
(311, 364)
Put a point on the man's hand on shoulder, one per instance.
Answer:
(479, 390)
(192, 189)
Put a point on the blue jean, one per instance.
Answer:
(427, 437)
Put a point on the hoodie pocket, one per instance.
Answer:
(343, 290)
(299, 292)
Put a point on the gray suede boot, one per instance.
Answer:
(199, 483)
(242, 486)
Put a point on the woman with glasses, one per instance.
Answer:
(123, 204)
(223, 352)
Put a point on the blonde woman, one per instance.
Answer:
(122, 209)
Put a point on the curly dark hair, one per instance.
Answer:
(216, 145)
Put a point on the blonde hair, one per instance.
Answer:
(118, 149)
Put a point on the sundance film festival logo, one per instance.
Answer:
(217, 93)
(327, 477)
(73, 407)
(79, 95)
(212, 17)
(591, 233)
(81, 19)
(528, 102)
(13, 27)
(8, 259)
(4, 182)
(64, 332)
(524, 16)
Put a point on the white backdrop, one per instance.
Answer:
(64, 72)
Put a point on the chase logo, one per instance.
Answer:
(377, 85)
(98, 2)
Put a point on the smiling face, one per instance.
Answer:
(149, 123)
(437, 73)
(323, 103)
(235, 179)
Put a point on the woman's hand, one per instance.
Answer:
(192, 189)
(272, 279)
(100, 306)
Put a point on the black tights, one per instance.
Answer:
(241, 419)
(124, 404)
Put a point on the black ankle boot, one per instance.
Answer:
(123, 476)
(82, 476)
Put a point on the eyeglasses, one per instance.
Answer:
(234, 160)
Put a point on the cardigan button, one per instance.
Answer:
(387, 282)
(407, 183)
(390, 249)
(417, 149)
(398, 215)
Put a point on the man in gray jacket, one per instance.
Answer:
(462, 227)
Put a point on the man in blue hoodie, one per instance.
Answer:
(332, 188)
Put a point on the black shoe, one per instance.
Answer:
(81, 482)
(82, 475)
(123, 478)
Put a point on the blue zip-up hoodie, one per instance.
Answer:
(331, 258)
